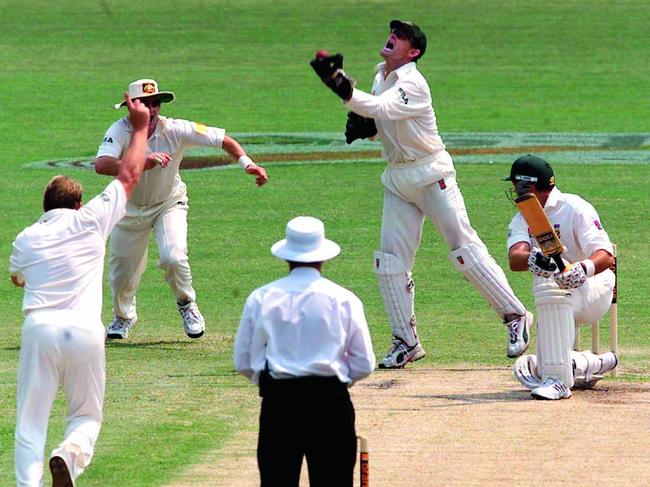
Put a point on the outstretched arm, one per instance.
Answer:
(133, 162)
(232, 147)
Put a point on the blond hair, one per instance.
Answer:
(62, 192)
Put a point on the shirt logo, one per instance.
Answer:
(460, 260)
(403, 96)
(199, 128)
(598, 225)
(442, 184)
(148, 88)
(556, 227)
(108, 140)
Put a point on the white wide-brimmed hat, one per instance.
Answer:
(146, 88)
(305, 242)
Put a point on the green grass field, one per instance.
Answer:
(515, 66)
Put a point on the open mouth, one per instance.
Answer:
(389, 46)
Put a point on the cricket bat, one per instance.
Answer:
(541, 228)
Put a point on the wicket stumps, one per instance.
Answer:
(364, 467)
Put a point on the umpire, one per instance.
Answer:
(304, 340)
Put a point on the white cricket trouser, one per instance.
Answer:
(592, 300)
(415, 191)
(129, 245)
(52, 353)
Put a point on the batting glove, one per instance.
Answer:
(571, 278)
(541, 265)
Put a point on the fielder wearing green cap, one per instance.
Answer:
(419, 184)
(580, 294)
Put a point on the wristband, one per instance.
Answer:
(245, 161)
(589, 267)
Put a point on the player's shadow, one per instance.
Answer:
(158, 344)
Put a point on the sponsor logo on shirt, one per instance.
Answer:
(460, 260)
(403, 96)
(199, 128)
(598, 225)
(442, 184)
(556, 227)
(108, 140)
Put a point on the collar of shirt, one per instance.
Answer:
(54, 214)
(553, 198)
(399, 72)
(305, 273)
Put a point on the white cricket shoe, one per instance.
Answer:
(60, 471)
(119, 328)
(552, 389)
(401, 354)
(519, 334)
(597, 365)
(193, 320)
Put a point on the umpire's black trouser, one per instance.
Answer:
(310, 416)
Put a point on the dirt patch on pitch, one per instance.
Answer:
(476, 426)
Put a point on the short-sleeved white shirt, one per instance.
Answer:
(172, 136)
(61, 256)
(576, 222)
(401, 106)
(304, 325)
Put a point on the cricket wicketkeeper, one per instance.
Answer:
(419, 183)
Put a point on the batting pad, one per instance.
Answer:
(555, 331)
(479, 268)
(398, 292)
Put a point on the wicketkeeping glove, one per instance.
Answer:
(330, 71)
(541, 265)
(571, 278)
(358, 127)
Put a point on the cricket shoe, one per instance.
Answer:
(119, 328)
(401, 354)
(551, 389)
(519, 334)
(60, 471)
(193, 321)
(597, 365)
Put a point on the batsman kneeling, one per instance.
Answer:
(565, 294)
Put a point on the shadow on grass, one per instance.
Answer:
(161, 344)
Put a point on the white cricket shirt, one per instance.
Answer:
(576, 222)
(401, 106)
(61, 256)
(172, 136)
(304, 325)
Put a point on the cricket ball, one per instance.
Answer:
(321, 53)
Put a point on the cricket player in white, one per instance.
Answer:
(160, 204)
(580, 294)
(419, 183)
(59, 261)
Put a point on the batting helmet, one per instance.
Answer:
(532, 170)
